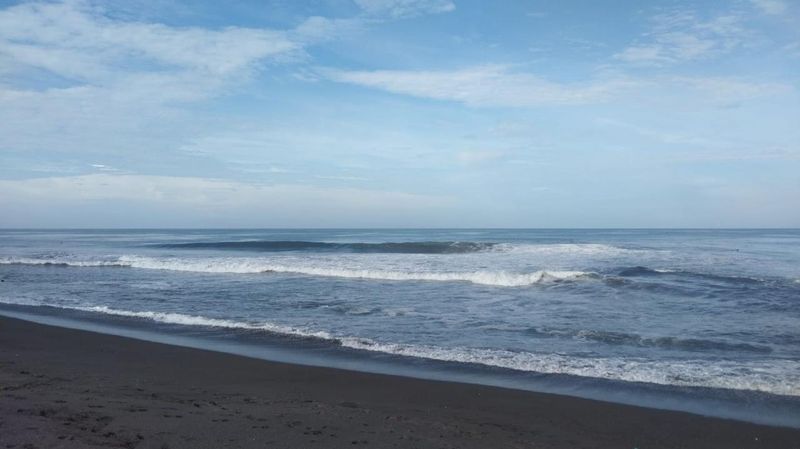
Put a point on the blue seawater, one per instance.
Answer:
(699, 320)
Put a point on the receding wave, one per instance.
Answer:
(195, 320)
(630, 339)
(685, 344)
(359, 247)
(772, 376)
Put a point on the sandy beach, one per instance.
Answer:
(64, 388)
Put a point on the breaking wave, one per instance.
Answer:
(429, 247)
(496, 278)
(255, 266)
(60, 262)
(387, 247)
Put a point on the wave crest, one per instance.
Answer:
(446, 247)
(255, 266)
(426, 247)
(495, 278)
(61, 262)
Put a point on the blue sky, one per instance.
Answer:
(398, 113)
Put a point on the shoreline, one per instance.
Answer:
(746, 406)
(73, 388)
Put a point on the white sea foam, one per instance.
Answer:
(773, 376)
(566, 249)
(239, 265)
(255, 265)
(195, 320)
(60, 261)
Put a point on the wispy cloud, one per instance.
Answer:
(316, 29)
(485, 85)
(497, 86)
(105, 80)
(770, 6)
(77, 41)
(727, 91)
(405, 8)
(253, 110)
(680, 36)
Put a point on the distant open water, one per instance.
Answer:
(712, 309)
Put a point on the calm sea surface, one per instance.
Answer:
(699, 320)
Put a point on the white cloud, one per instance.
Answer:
(110, 80)
(316, 29)
(494, 85)
(681, 36)
(727, 90)
(215, 201)
(487, 85)
(113, 86)
(770, 6)
(76, 41)
(116, 86)
(405, 8)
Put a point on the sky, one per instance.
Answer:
(400, 113)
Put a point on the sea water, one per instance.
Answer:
(699, 320)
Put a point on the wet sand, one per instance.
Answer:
(63, 388)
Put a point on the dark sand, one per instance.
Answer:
(70, 388)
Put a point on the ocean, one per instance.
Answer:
(706, 321)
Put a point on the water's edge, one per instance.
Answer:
(727, 404)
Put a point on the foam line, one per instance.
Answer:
(772, 376)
